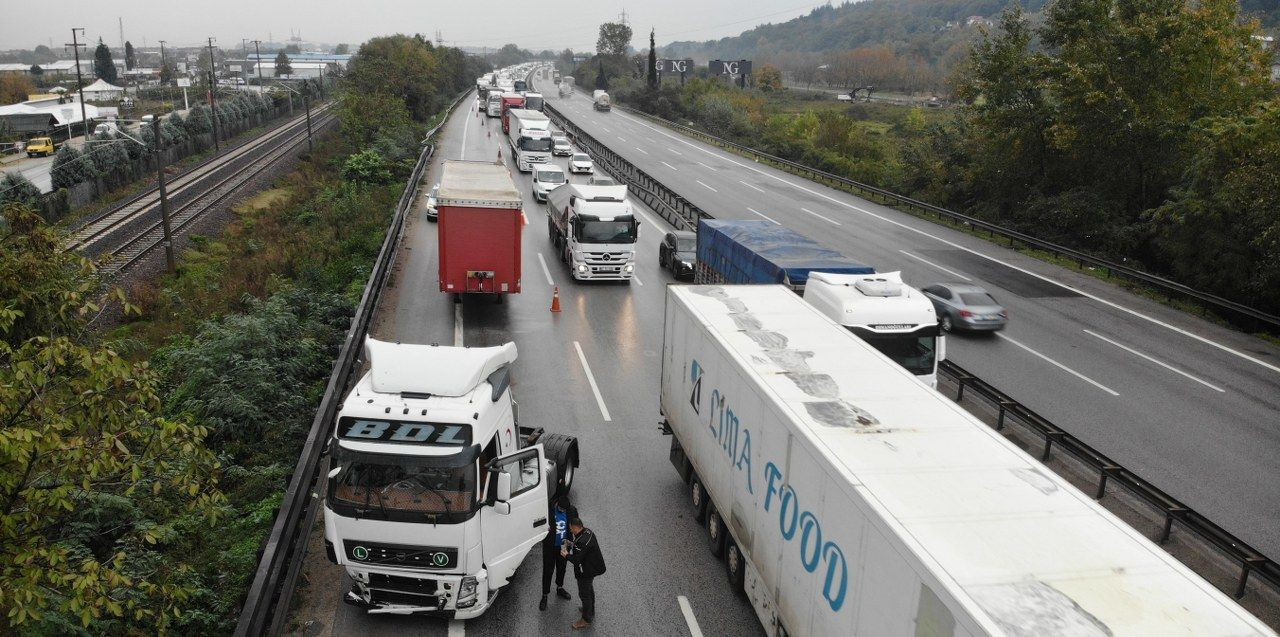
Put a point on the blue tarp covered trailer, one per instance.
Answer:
(764, 252)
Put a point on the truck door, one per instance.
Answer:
(511, 526)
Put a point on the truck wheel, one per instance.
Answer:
(735, 567)
(564, 451)
(715, 531)
(698, 496)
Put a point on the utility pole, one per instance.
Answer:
(84, 119)
(322, 80)
(258, 62)
(244, 49)
(164, 197)
(307, 105)
(213, 97)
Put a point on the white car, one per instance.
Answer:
(581, 163)
(432, 213)
(546, 177)
(560, 147)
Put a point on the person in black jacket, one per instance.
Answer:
(553, 561)
(583, 549)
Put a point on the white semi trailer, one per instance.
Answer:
(436, 493)
(846, 498)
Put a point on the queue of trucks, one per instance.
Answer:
(843, 494)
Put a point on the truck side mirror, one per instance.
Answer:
(504, 486)
(942, 348)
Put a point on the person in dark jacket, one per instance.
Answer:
(553, 562)
(583, 549)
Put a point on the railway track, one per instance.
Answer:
(132, 229)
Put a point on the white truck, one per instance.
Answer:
(846, 498)
(600, 100)
(533, 101)
(529, 135)
(436, 493)
(594, 231)
(894, 317)
(493, 107)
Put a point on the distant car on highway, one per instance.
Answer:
(546, 177)
(581, 163)
(963, 306)
(678, 253)
(432, 213)
(42, 146)
(560, 147)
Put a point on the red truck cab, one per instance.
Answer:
(510, 101)
(480, 226)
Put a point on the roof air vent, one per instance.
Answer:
(879, 287)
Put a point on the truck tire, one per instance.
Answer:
(563, 450)
(715, 531)
(698, 496)
(735, 566)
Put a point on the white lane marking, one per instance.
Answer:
(457, 628)
(820, 216)
(1061, 366)
(762, 214)
(636, 278)
(669, 165)
(948, 271)
(545, 271)
(706, 186)
(750, 186)
(642, 150)
(1112, 304)
(465, 128)
(687, 611)
(705, 166)
(620, 139)
(675, 151)
(457, 324)
(1157, 362)
(606, 130)
(595, 389)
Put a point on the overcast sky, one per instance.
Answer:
(544, 24)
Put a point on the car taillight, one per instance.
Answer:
(966, 313)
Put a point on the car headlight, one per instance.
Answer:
(467, 592)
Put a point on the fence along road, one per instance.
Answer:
(1186, 404)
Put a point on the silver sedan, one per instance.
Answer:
(962, 306)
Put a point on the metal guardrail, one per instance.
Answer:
(1251, 560)
(1167, 287)
(266, 606)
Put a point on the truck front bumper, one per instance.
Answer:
(612, 272)
(434, 596)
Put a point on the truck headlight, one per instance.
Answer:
(582, 268)
(628, 267)
(467, 592)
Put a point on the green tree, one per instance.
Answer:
(653, 62)
(103, 67)
(602, 81)
(614, 39)
(130, 57)
(292, 48)
(79, 427)
(107, 153)
(282, 64)
(769, 78)
(17, 189)
(341, 49)
(70, 167)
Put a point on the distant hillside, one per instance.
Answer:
(915, 27)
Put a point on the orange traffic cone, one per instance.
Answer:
(555, 299)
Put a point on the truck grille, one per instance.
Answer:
(436, 557)
(606, 258)
(398, 583)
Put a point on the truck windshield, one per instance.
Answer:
(543, 144)
(533, 103)
(913, 352)
(401, 487)
(606, 232)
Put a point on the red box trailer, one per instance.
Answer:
(480, 225)
(510, 101)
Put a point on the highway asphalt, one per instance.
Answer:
(1191, 406)
(590, 371)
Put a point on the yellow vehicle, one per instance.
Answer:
(42, 146)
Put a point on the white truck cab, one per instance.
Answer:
(435, 493)
(594, 230)
(895, 318)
